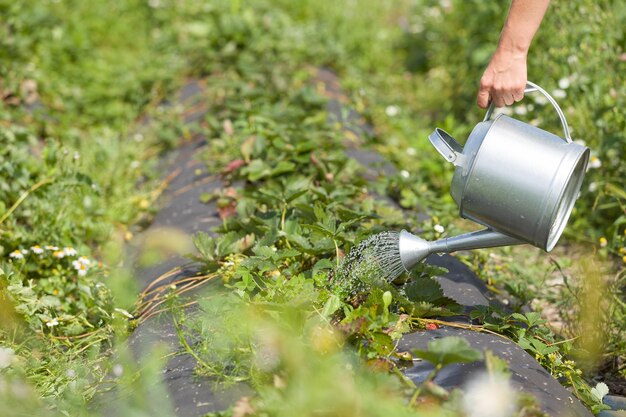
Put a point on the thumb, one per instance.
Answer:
(483, 98)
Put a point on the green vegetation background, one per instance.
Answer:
(77, 167)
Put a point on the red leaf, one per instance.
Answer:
(227, 211)
(234, 165)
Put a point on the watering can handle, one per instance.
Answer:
(448, 147)
(530, 87)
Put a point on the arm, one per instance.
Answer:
(504, 79)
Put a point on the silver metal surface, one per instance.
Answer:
(519, 181)
(530, 87)
(414, 249)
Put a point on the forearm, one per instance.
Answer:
(504, 79)
(521, 25)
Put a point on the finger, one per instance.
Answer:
(498, 100)
(483, 98)
(508, 99)
(518, 95)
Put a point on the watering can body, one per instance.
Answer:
(519, 181)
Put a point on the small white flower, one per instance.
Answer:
(564, 83)
(404, 173)
(58, 254)
(37, 249)
(595, 162)
(16, 254)
(70, 251)
(411, 151)
(520, 110)
(84, 260)
(558, 93)
(82, 270)
(24, 251)
(392, 111)
(118, 370)
(489, 396)
(53, 322)
(593, 187)
(137, 137)
(572, 59)
(154, 3)
(439, 228)
(70, 373)
(135, 164)
(540, 99)
(6, 357)
(124, 312)
(76, 156)
(52, 248)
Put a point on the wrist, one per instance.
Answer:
(516, 46)
(511, 52)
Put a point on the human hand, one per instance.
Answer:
(504, 80)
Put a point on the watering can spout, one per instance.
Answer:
(414, 249)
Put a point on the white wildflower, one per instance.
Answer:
(489, 396)
(36, 249)
(137, 137)
(154, 3)
(392, 111)
(76, 156)
(593, 187)
(439, 228)
(404, 173)
(411, 151)
(595, 162)
(124, 312)
(58, 254)
(24, 251)
(6, 357)
(520, 110)
(572, 59)
(558, 93)
(53, 322)
(84, 260)
(564, 83)
(16, 254)
(70, 251)
(118, 370)
(135, 164)
(52, 248)
(540, 99)
(81, 269)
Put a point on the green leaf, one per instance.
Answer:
(600, 391)
(321, 265)
(423, 289)
(331, 306)
(452, 349)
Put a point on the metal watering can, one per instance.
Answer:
(519, 181)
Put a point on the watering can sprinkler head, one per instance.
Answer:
(412, 249)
